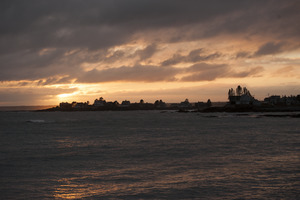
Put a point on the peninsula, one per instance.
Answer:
(239, 100)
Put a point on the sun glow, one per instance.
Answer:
(64, 95)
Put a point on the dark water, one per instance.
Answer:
(148, 155)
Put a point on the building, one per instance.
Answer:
(272, 100)
(125, 103)
(241, 96)
(65, 105)
(99, 102)
(159, 104)
(282, 101)
(185, 104)
(81, 105)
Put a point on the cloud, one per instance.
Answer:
(34, 65)
(112, 56)
(137, 73)
(177, 58)
(95, 26)
(103, 24)
(269, 48)
(147, 52)
(150, 73)
(209, 72)
(192, 57)
(31, 96)
(243, 54)
(177, 94)
(252, 72)
(55, 80)
(58, 42)
(287, 71)
(117, 55)
(206, 72)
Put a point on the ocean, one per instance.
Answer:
(148, 155)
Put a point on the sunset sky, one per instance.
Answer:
(70, 50)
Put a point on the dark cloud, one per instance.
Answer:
(55, 80)
(150, 73)
(269, 48)
(243, 54)
(36, 36)
(117, 55)
(34, 65)
(209, 72)
(147, 52)
(252, 72)
(206, 72)
(177, 58)
(99, 24)
(137, 73)
(200, 67)
(192, 57)
(266, 19)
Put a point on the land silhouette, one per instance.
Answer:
(239, 100)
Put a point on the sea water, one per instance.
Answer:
(148, 155)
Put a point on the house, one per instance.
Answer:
(201, 104)
(282, 101)
(185, 104)
(65, 105)
(81, 105)
(272, 100)
(125, 103)
(159, 104)
(241, 96)
(99, 102)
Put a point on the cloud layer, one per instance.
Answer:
(57, 27)
(51, 43)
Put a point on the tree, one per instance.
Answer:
(208, 103)
(245, 90)
(239, 91)
(231, 93)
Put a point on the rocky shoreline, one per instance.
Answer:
(226, 108)
(252, 109)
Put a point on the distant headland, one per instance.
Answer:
(239, 100)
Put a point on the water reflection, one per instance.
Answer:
(76, 188)
(142, 180)
(118, 182)
(69, 142)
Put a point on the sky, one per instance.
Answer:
(79, 50)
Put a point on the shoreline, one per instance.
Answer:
(226, 109)
(233, 109)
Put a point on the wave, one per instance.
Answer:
(36, 121)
